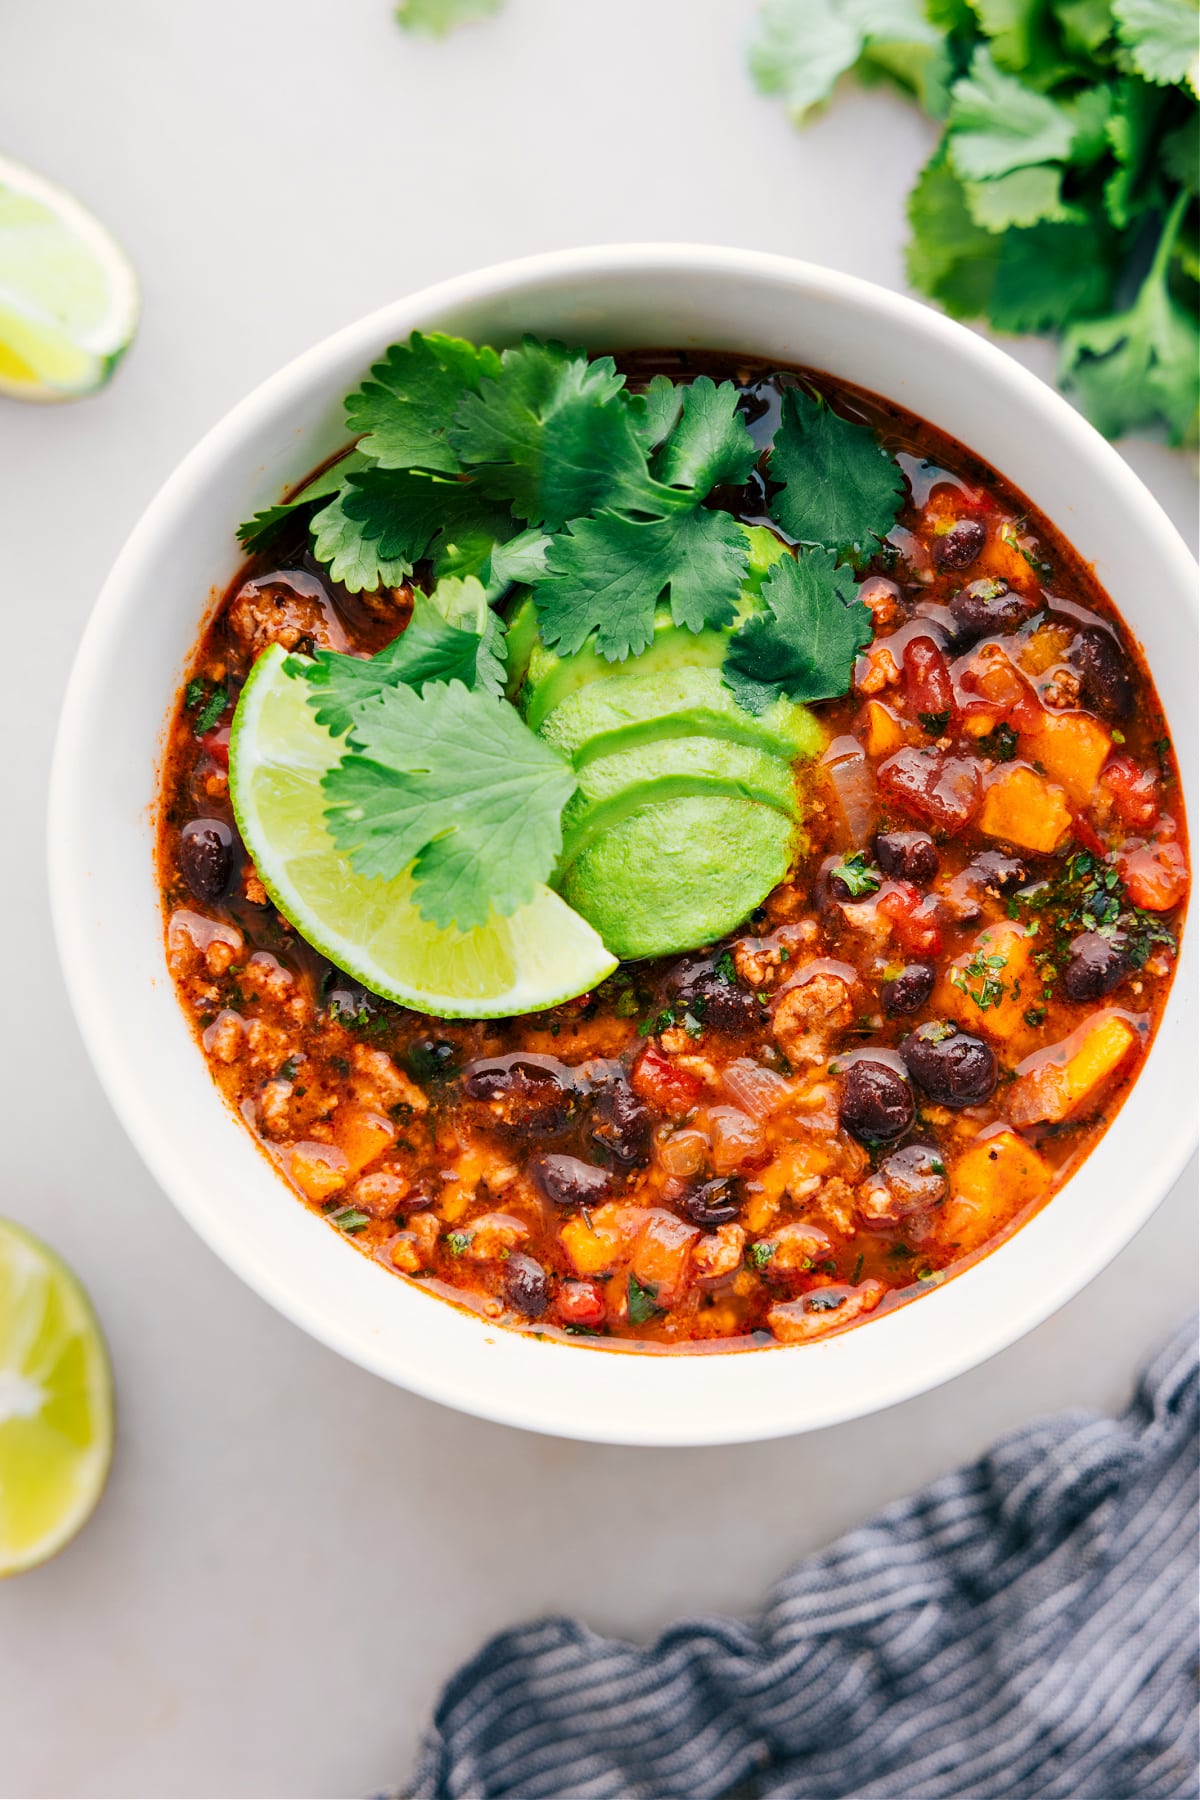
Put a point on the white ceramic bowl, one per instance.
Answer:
(106, 906)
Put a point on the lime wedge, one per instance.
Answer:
(543, 954)
(56, 1414)
(68, 296)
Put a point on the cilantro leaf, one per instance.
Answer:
(996, 123)
(710, 443)
(950, 256)
(260, 532)
(352, 558)
(1051, 274)
(401, 509)
(1133, 367)
(1132, 131)
(804, 643)
(655, 411)
(405, 408)
(803, 46)
(437, 17)
(1023, 197)
(454, 784)
(452, 635)
(552, 433)
(642, 1298)
(607, 575)
(1160, 35)
(840, 487)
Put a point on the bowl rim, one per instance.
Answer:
(1166, 1157)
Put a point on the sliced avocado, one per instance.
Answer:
(612, 787)
(545, 679)
(624, 710)
(519, 638)
(678, 874)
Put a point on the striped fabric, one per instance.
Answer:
(1025, 1629)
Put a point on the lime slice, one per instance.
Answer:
(56, 1414)
(68, 296)
(543, 954)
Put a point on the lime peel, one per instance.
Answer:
(540, 956)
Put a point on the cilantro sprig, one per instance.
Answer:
(1063, 192)
(803, 644)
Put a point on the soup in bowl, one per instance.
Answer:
(670, 843)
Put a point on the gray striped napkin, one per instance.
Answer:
(1025, 1629)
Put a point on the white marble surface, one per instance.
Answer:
(291, 1556)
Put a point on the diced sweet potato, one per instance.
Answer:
(882, 731)
(1023, 808)
(361, 1135)
(990, 987)
(990, 1183)
(318, 1170)
(662, 1253)
(1071, 747)
(1073, 1073)
(596, 1243)
(1048, 645)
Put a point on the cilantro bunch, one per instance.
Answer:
(1062, 195)
(477, 471)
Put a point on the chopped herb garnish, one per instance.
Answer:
(984, 969)
(723, 968)
(934, 724)
(351, 1220)
(858, 1269)
(1000, 745)
(457, 1241)
(290, 1069)
(211, 711)
(642, 1297)
(760, 1254)
(194, 693)
(1034, 1016)
(661, 1021)
(857, 875)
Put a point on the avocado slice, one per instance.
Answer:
(612, 787)
(624, 710)
(679, 873)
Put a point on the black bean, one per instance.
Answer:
(915, 1177)
(908, 991)
(907, 855)
(719, 1004)
(1107, 676)
(1095, 965)
(876, 1101)
(620, 1123)
(526, 1095)
(526, 1285)
(569, 1181)
(988, 606)
(954, 1068)
(206, 858)
(431, 1059)
(714, 1203)
(996, 870)
(958, 547)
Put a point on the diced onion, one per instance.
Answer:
(758, 1091)
(849, 775)
(684, 1153)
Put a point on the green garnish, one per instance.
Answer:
(403, 410)
(805, 642)
(436, 17)
(841, 489)
(350, 1220)
(985, 970)
(759, 1255)
(452, 779)
(642, 1297)
(724, 969)
(211, 711)
(934, 724)
(1000, 744)
(857, 874)
(1068, 137)
(457, 1241)
(661, 1021)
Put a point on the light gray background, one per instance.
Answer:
(292, 1556)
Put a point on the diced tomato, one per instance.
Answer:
(940, 790)
(1155, 875)
(216, 744)
(992, 676)
(915, 917)
(1134, 791)
(656, 1079)
(1083, 834)
(580, 1303)
(928, 687)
